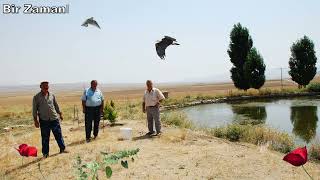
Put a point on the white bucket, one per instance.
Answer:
(126, 133)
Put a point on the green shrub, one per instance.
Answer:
(234, 133)
(314, 87)
(219, 132)
(109, 112)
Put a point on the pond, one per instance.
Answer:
(298, 116)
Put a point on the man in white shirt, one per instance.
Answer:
(92, 105)
(151, 103)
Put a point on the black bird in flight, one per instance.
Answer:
(92, 22)
(163, 44)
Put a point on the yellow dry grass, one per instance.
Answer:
(177, 154)
(17, 105)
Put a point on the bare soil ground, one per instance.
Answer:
(176, 154)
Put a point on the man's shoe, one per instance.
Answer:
(149, 133)
(159, 133)
(45, 155)
(87, 140)
(95, 137)
(63, 151)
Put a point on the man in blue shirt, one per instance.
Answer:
(92, 107)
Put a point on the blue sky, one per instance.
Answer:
(58, 49)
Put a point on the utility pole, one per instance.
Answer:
(281, 79)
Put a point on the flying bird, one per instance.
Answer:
(92, 22)
(163, 44)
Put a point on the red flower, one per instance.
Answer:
(26, 150)
(297, 157)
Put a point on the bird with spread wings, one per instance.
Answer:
(163, 44)
(92, 22)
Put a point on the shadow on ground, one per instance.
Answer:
(76, 143)
(144, 137)
(28, 164)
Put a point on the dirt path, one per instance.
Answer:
(177, 154)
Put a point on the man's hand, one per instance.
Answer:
(36, 123)
(143, 107)
(84, 107)
(61, 117)
(158, 104)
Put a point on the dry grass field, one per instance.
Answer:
(178, 154)
(15, 107)
(123, 94)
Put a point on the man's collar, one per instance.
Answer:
(151, 90)
(94, 90)
(43, 93)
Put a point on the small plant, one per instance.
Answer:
(114, 158)
(93, 167)
(108, 160)
(81, 174)
(110, 113)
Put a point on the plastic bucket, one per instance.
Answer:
(126, 133)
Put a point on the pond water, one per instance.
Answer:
(298, 116)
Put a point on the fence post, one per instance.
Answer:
(74, 114)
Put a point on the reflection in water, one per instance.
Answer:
(250, 114)
(298, 116)
(304, 120)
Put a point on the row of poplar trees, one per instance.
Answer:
(248, 69)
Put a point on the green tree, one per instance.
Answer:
(254, 69)
(303, 61)
(239, 47)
